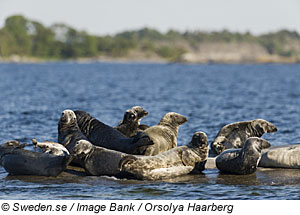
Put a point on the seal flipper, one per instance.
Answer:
(22, 146)
(187, 158)
(265, 144)
(126, 160)
(140, 143)
(143, 127)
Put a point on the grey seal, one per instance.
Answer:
(51, 147)
(98, 160)
(108, 137)
(175, 162)
(130, 124)
(235, 134)
(281, 157)
(242, 161)
(164, 135)
(20, 161)
(68, 130)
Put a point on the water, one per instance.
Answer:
(211, 95)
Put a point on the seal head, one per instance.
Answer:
(173, 119)
(130, 124)
(67, 117)
(83, 148)
(136, 113)
(263, 126)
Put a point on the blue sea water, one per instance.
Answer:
(32, 97)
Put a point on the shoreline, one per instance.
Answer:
(105, 59)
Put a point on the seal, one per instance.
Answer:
(68, 130)
(51, 147)
(235, 134)
(163, 135)
(108, 137)
(175, 162)
(130, 124)
(20, 161)
(98, 161)
(281, 157)
(242, 161)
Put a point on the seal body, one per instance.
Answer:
(130, 124)
(242, 161)
(281, 157)
(235, 135)
(24, 162)
(175, 162)
(164, 135)
(98, 160)
(108, 137)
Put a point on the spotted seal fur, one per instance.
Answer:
(235, 134)
(175, 162)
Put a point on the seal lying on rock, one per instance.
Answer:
(105, 136)
(234, 135)
(130, 124)
(98, 160)
(164, 135)
(9, 146)
(242, 161)
(20, 161)
(175, 162)
(281, 157)
(68, 130)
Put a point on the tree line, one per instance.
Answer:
(24, 37)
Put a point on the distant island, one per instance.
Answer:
(24, 40)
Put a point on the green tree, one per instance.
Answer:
(17, 26)
(7, 43)
(43, 41)
(171, 53)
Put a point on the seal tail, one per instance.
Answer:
(128, 159)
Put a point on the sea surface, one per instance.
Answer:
(32, 97)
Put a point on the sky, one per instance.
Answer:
(103, 17)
